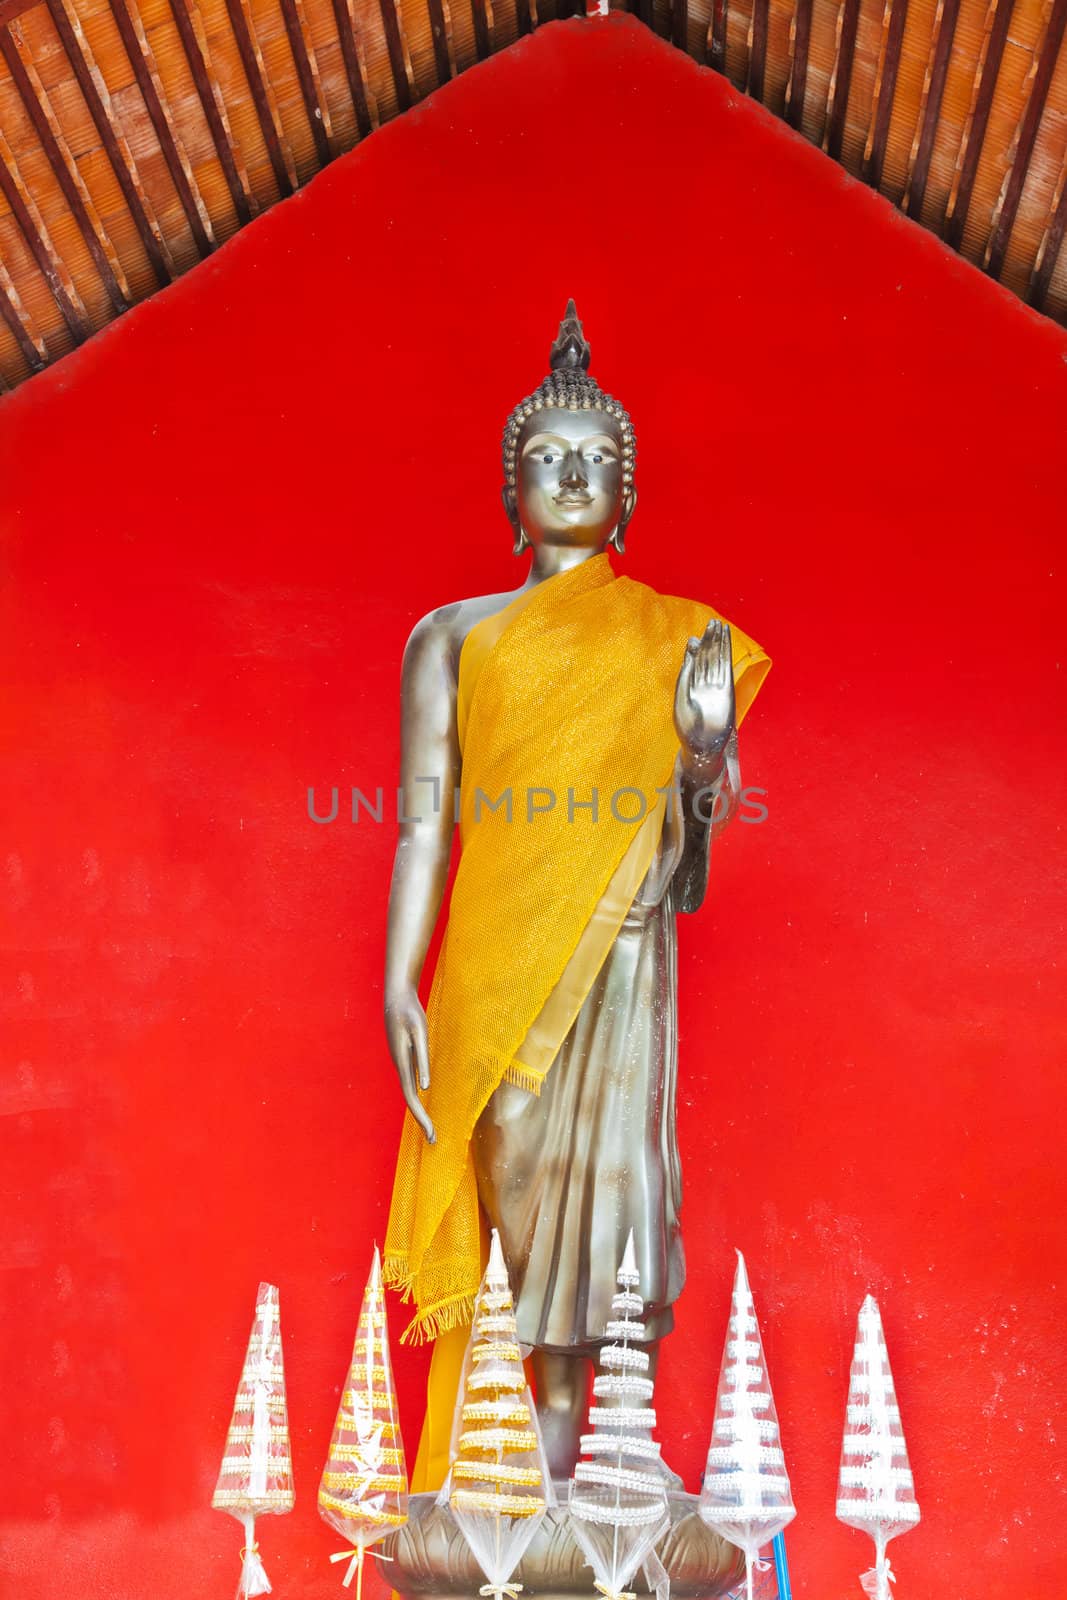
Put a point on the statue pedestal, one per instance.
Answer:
(431, 1558)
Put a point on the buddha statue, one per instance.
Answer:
(586, 727)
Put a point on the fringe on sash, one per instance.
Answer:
(453, 1306)
(523, 1077)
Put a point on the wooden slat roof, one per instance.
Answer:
(137, 135)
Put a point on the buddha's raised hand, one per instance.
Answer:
(704, 697)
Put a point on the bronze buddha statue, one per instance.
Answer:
(541, 1079)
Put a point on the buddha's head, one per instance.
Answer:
(569, 456)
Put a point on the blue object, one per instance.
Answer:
(781, 1568)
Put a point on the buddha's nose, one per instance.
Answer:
(573, 476)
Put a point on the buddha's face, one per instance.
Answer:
(569, 488)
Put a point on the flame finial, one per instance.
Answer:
(571, 351)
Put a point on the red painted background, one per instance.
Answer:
(222, 518)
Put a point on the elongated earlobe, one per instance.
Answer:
(617, 536)
(511, 511)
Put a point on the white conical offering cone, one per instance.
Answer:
(745, 1496)
(618, 1499)
(364, 1488)
(498, 1486)
(496, 1268)
(256, 1476)
(875, 1491)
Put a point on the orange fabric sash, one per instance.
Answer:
(574, 700)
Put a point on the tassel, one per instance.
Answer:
(254, 1579)
(876, 1581)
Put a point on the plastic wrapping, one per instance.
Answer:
(256, 1476)
(498, 1486)
(745, 1496)
(770, 1577)
(875, 1490)
(618, 1495)
(363, 1492)
(765, 1585)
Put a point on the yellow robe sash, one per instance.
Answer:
(572, 704)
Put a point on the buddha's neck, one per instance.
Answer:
(550, 560)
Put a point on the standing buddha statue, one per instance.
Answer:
(588, 726)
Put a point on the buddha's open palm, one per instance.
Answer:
(704, 698)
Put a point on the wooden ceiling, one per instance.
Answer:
(137, 135)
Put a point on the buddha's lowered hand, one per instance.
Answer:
(405, 1028)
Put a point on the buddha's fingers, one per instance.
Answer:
(725, 660)
(708, 653)
(406, 1071)
(421, 1044)
(684, 689)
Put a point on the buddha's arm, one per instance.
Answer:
(708, 802)
(429, 773)
(705, 720)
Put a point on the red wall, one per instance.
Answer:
(223, 516)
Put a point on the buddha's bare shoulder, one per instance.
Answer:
(439, 635)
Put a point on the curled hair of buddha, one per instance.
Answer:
(569, 387)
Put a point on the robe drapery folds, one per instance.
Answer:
(572, 707)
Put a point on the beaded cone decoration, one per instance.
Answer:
(745, 1496)
(256, 1476)
(618, 1495)
(498, 1487)
(875, 1491)
(364, 1488)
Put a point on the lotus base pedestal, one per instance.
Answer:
(430, 1557)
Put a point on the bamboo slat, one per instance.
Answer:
(894, 17)
(1052, 279)
(1039, 230)
(738, 35)
(917, 43)
(797, 67)
(190, 28)
(780, 15)
(327, 54)
(930, 105)
(24, 337)
(953, 120)
(1037, 88)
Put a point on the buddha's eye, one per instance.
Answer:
(598, 460)
(547, 459)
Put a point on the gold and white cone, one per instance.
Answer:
(498, 1487)
(363, 1492)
